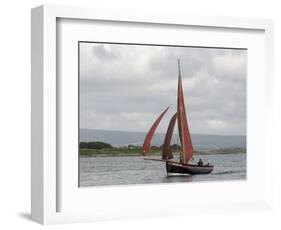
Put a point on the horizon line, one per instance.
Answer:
(127, 131)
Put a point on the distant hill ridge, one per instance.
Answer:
(124, 138)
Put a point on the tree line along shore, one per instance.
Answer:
(98, 148)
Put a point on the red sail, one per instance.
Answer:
(146, 143)
(167, 152)
(186, 144)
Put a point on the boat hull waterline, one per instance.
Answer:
(178, 168)
(175, 167)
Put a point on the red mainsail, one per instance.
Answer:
(146, 143)
(167, 151)
(186, 144)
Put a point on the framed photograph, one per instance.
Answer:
(137, 115)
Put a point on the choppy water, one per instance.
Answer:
(99, 171)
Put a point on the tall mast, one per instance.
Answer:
(185, 139)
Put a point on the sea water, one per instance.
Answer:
(101, 171)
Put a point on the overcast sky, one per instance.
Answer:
(125, 87)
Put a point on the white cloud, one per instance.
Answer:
(230, 65)
(125, 87)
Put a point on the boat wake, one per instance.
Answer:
(228, 172)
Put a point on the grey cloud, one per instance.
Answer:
(102, 53)
(124, 87)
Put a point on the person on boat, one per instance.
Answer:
(200, 162)
(181, 160)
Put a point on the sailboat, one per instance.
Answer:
(183, 166)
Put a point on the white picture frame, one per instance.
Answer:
(49, 190)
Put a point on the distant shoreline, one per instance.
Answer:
(117, 152)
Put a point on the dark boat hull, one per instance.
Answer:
(174, 167)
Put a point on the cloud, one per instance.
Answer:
(230, 65)
(125, 87)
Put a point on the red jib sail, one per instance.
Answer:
(167, 151)
(186, 144)
(146, 143)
